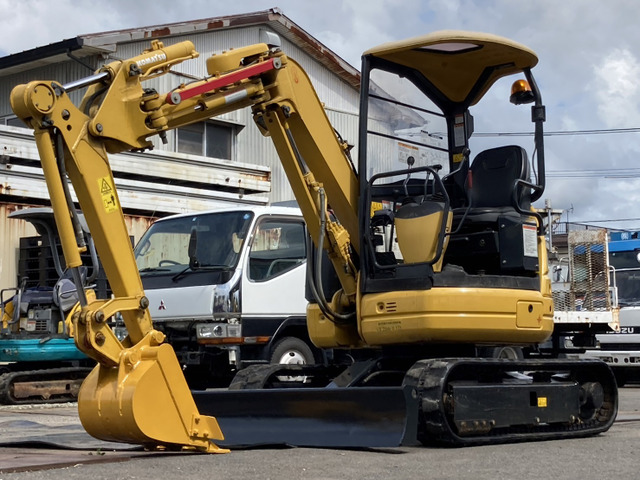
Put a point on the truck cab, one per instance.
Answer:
(215, 282)
(620, 347)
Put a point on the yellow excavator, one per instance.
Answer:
(419, 256)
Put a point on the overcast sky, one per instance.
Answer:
(589, 70)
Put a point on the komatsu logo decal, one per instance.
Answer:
(158, 57)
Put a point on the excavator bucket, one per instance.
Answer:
(145, 400)
(315, 417)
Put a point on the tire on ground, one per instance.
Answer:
(504, 351)
(292, 350)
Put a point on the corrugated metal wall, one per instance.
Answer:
(157, 182)
(12, 230)
(10, 233)
(137, 225)
(339, 98)
(63, 72)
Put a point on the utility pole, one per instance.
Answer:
(551, 214)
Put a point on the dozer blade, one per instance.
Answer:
(314, 417)
(145, 401)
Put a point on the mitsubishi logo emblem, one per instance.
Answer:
(162, 306)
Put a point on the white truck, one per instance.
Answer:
(584, 292)
(620, 348)
(227, 287)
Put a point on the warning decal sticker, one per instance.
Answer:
(109, 200)
(530, 240)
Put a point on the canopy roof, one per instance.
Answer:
(461, 65)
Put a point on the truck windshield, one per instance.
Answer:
(219, 238)
(627, 276)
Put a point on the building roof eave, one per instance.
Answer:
(50, 54)
(105, 42)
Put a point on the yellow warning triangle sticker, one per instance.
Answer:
(105, 187)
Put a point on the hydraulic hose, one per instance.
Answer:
(316, 286)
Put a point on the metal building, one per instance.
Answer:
(220, 162)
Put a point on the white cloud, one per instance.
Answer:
(31, 23)
(617, 90)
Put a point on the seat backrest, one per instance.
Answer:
(494, 175)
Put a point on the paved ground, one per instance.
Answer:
(612, 453)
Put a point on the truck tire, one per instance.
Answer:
(506, 351)
(292, 350)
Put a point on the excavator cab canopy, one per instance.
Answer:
(424, 86)
(459, 67)
(415, 156)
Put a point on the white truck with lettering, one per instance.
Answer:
(584, 293)
(620, 348)
(227, 287)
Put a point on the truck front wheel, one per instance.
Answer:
(508, 352)
(292, 351)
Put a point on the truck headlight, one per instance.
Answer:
(211, 330)
(217, 330)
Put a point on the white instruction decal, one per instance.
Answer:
(530, 240)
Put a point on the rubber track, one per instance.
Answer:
(7, 381)
(430, 379)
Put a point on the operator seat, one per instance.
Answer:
(495, 184)
(490, 233)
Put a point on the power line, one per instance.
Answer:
(607, 221)
(609, 173)
(600, 131)
(616, 173)
(598, 224)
